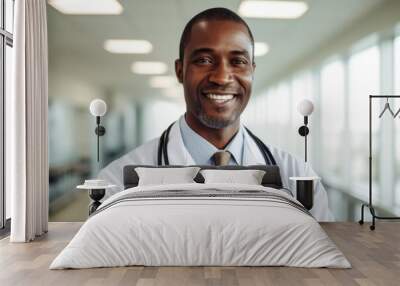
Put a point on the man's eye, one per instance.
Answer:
(203, 61)
(239, 61)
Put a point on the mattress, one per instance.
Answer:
(201, 225)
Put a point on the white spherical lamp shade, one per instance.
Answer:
(305, 107)
(98, 107)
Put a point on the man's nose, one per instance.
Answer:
(221, 74)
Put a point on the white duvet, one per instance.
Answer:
(187, 230)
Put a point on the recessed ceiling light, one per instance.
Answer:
(87, 7)
(260, 49)
(273, 9)
(149, 67)
(128, 46)
(163, 81)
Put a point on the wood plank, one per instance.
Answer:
(375, 257)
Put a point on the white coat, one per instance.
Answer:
(289, 165)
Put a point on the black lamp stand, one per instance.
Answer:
(370, 205)
(303, 131)
(100, 131)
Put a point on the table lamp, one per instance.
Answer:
(305, 108)
(98, 108)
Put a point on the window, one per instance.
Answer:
(340, 91)
(332, 117)
(397, 65)
(6, 42)
(397, 124)
(364, 73)
(9, 15)
(278, 116)
(255, 115)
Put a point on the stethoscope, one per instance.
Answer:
(162, 148)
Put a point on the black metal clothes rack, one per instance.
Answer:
(370, 205)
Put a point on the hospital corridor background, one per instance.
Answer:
(336, 54)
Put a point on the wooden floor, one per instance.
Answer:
(375, 257)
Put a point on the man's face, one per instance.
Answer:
(217, 72)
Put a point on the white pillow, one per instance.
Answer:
(164, 176)
(248, 177)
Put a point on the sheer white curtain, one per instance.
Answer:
(26, 117)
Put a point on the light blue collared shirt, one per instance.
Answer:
(202, 151)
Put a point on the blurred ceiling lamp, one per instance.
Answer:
(128, 46)
(273, 9)
(87, 7)
(260, 49)
(163, 81)
(149, 67)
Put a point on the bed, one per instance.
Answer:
(201, 224)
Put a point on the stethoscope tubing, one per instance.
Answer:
(163, 143)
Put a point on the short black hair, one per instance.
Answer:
(219, 14)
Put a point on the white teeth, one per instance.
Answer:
(219, 97)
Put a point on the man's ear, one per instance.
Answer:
(179, 70)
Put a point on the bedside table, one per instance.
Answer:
(305, 190)
(96, 191)
(96, 195)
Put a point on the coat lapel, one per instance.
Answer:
(251, 153)
(177, 152)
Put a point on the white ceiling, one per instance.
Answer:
(76, 42)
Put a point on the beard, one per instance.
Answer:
(216, 123)
(196, 108)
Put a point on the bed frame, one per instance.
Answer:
(272, 177)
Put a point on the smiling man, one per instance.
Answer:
(216, 68)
